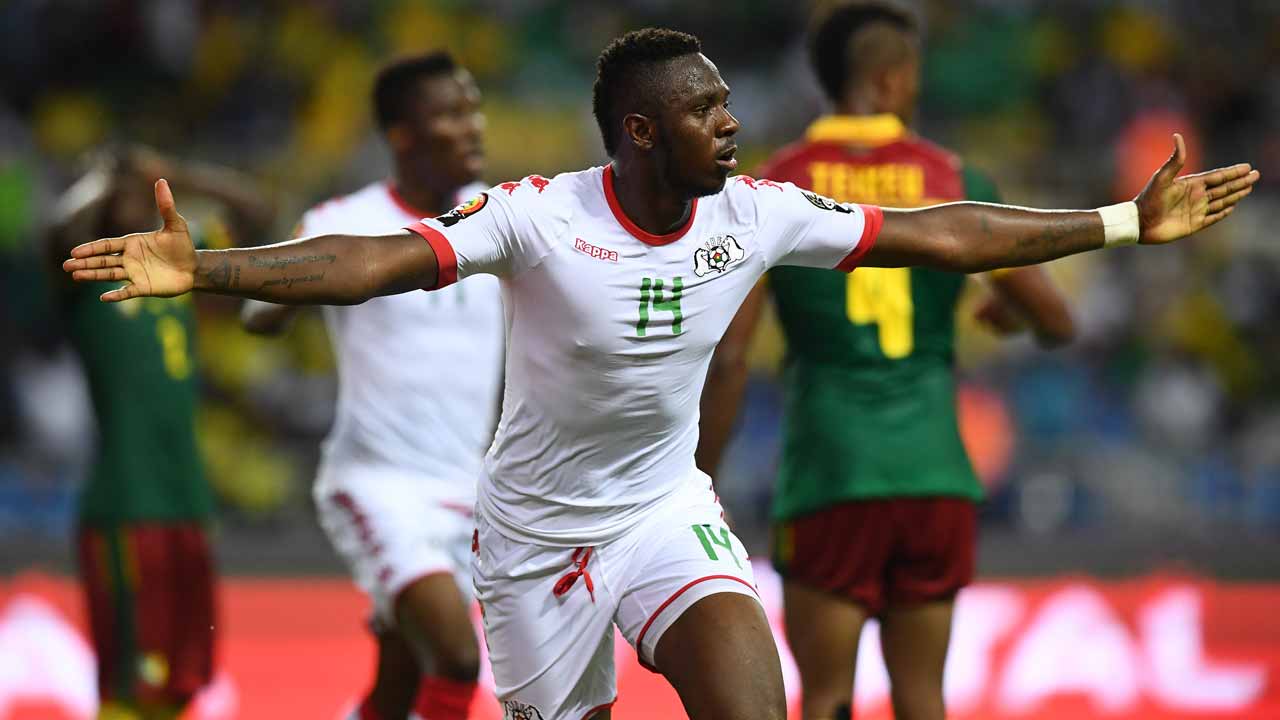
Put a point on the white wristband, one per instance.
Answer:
(1120, 224)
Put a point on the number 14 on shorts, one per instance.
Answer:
(715, 537)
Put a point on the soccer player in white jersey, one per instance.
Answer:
(617, 284)
(419, 376)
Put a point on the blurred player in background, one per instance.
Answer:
(143, 550)
(419, 376)
(875, 508)
(621, 279)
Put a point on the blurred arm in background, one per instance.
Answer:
(264, 318)
(110, 199)
(1027, 296)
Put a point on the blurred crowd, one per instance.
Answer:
(1164, 415)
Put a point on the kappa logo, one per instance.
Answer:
(757, 184)
(824, 203)
(464, 211)
(515, 710)
(717, 255)
(595, 251)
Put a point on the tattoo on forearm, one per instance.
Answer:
(219, 274)
(291, 281)
(278, 263)
(235, 279)
(1049, 241)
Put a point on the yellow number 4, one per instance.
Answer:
(883, 296)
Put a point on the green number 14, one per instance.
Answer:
(710, 540)
(651, 296)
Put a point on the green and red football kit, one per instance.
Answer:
(144, 559)
(872, 460)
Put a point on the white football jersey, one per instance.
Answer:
(610, 331)
(419, 373)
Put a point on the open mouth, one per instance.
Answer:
(726, 158)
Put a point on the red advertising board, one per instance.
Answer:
(1158, 647)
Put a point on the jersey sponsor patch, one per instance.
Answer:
(465, 210)
(824, 203)
(516, 710)
(717, 255)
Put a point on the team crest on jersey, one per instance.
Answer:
(464, 211)
(515, 710)
(717, 255)
(824, 203)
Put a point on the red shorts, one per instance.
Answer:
(150, 592)
(879, 553)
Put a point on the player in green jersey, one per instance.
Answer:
(875, 506)
(143, 554)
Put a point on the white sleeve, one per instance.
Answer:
(492, 233)
(799, 227)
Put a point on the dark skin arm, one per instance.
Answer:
(974, 237)
(342, 270)
(726, 378)
(322, 270)
(1028, 296)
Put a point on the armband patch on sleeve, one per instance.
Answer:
(464, 211)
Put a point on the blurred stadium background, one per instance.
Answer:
(1134, 471)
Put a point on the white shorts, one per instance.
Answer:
(392, 528)
(549, 611)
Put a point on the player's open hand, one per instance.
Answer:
(160, 263)
(1172, 207)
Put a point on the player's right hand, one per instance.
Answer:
(160, 263)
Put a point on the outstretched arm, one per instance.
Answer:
(972, 237)
(327, 269)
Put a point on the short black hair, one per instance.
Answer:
(833, 31)
(394, 86)
(623, 74)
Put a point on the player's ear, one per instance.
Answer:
(640, 130)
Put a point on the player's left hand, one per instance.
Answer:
(1172, 207)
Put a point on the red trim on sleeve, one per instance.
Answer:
(446, 259)
(663, 606)
(643, 236)
(872, 219)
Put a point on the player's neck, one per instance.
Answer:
(422, 196)
(647, 201)
(863, 105)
